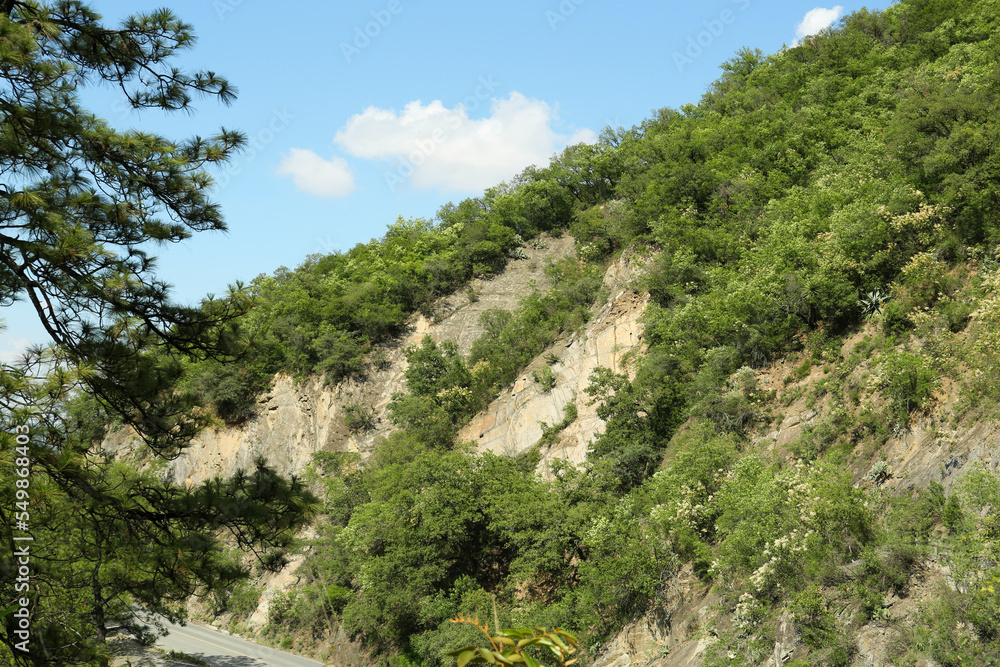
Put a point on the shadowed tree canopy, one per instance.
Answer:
(81, 204)
(81, 207)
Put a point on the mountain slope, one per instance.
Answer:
(792, 452)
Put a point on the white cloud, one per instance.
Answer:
(816, 21)
(313, 174)
(432, 146)
(12, 348)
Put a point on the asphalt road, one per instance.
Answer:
(221, 650)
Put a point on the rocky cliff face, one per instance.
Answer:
(514, 421)
(296, 419)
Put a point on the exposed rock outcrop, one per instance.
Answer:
(296, 419)
(514, 422)
(671, 634)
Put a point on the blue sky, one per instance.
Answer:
(364, 111)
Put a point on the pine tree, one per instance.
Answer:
(81, 203)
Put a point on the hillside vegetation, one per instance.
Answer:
(848, 183)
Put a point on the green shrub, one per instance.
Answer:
(984, 607)
(358, 419)
(339, 355)
(942, 632)
(879, 472)
(640, 417)
(816, 439)
(895, 319)
(951, 515)
(908, 381)
(623, 569)
(873, 426)
(910, 519)
(885, 569)
(925, 278)
(230, 388)
(956, 313)
(731, 411)
(682, 496)
(243, 600)
(545, 378)
(772, 523)
(550, 433)
(813, 617)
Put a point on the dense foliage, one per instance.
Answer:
(847, 181)
(93, 547)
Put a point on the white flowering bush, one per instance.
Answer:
(927, 225)
(925, 279)
(784, 559)
(624, 568)
(773, 522)
(684, 495)
(987, 319)
(748, 615)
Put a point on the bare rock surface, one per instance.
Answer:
(514, 421)
(296, 419)
(672, 634)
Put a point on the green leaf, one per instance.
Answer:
(555, 638)
(506, 657)
(464, 655)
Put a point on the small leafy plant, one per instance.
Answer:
(545, 378)
(879, 472)
(358, 418)
(508, 647)
(872, 302)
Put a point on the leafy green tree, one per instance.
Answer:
(417, 535)
(433, 368)
(82, 202)
(641, 417)
(625, 566)
(80, 207)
